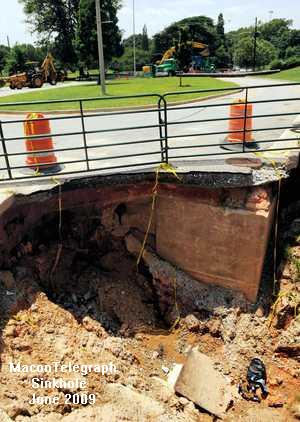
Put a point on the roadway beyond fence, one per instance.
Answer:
(132, 140)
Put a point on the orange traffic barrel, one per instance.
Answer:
(240, 127)
(40, 155)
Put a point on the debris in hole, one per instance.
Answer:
(200, 382)
(102, 308)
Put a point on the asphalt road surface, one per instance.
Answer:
(184, 130)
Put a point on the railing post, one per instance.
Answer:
(160, 122)
(84, 136)
(163, 123)
(245, 119)
(5, 151)
(166, 130)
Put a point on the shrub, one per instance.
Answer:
(276, 64)
(292, 62)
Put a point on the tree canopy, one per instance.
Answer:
(55, 21)
(197, 28)
(68, 28)
(86, 33)
(4, 52)
(276, 39)
(243, 53)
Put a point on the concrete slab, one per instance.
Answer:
(200, 382)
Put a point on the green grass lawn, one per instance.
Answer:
(287, 75)
(115, 88)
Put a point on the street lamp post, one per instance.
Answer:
(100, 46)
(133, 24)
(255, 44)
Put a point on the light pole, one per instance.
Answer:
(255, 44)
(133, 24)
(100, 47)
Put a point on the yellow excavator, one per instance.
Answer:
(35, 76)
(197, 45)
(168, 64)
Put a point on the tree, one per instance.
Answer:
(222, 53)
(295, 38)
(292, 52)
(220, 28)
(222, 57)
(16, 60)
(277, 32)
(86, 34)
(20, 54)
(4, 53)
(128, 42)
(145, 39)
(55, 21)
(243, 53)
(198, 28)
(183, 50)
(125, 62)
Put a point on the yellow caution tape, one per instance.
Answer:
(169, 169)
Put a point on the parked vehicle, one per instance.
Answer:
(35, 76)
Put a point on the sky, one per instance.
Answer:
(157, 14)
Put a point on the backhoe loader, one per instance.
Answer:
(35, 76)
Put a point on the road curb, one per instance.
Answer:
(133, 108)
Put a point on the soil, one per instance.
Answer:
(78, 297)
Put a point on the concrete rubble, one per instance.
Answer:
(200, 382)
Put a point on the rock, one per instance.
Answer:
(131, 405)
(17, 408)
(275, 381)
(109, 262)
(161, 390)
(50, 417)
(174, 374)
(191, 413)
(263, 415)
(291, 350)
(215, 327)
(183, 401)
(10, 332)
(4, 416)
(277, 400)
(192, 323)
(202, 384)
(21, 345)
(260, 312)
(93, 326)
(7, 279)
(295, 409)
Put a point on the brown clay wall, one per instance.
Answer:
(218, 236)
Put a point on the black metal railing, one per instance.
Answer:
(149, 135)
